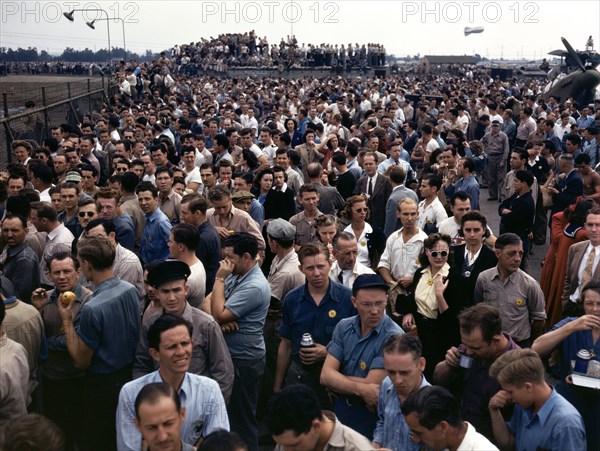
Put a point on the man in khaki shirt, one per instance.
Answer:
(296, 420)
(227, 219)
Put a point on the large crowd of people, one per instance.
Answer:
(215, 264)
(249, 50)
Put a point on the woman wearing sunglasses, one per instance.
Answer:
(371, 242)
(434, 301)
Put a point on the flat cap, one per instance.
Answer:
(281, 230)
(368, 281)
(168, 271)
(242, 195)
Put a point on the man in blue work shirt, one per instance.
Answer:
(354, 368)
(155, 239)
(542, 419)
(315, 307)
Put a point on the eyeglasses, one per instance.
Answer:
(434, 254)
(370, 305)
(83, 214)
(360, 210)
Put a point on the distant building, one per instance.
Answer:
(428, 62)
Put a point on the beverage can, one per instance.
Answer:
(307, 341)
(582, 361)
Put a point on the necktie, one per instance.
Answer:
(370, 187)
(341, 277)
(587, 271)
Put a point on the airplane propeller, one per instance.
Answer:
(573, 53)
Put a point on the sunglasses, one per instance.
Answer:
(360, 210)
(434, 254)
(83, 214)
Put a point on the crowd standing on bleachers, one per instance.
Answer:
(299, 260)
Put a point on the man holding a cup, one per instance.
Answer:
(467, 367)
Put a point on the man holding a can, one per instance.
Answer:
(313, 308)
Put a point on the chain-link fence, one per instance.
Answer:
(54, 104)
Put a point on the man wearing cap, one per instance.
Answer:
(242, 200)
(210, 356)
(497, 148)
(284, 276)
(239, 303)
(315, 308)
(346, 267)
(354, 368)
(243, 182)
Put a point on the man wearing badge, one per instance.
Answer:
(353, 369)
(315, 307)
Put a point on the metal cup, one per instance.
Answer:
(465, 361)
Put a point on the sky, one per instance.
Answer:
(512, 29)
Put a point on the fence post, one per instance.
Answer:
(69, 90)
(44, 103)
(89, 86)
(5, 102)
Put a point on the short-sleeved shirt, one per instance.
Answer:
(305, 232)
(556, 426)
(205, 410)
(519, 299)
(247, 297)
(196, 284)
(357, 354)
(400, 258)
(301, 314)
(110, 325)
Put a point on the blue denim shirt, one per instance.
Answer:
(392, 431)
(301, 314)
(556, 426)
(155, 240)
(357, 354)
